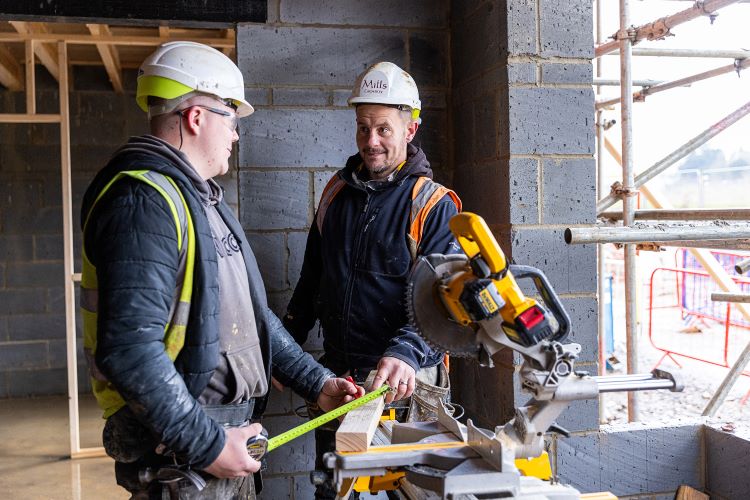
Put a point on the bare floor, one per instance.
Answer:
(35, 450)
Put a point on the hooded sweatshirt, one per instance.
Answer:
(355, 274)
(240, 374)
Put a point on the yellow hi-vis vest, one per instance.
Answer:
(425, 194)
(174, 333)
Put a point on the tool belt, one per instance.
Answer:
(140, 459)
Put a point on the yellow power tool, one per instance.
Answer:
(477, 287)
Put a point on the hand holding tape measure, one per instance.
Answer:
(259, 445)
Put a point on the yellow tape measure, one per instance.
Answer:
(298, 431)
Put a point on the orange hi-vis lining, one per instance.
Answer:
(425, 194)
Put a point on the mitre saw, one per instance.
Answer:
(471, 305)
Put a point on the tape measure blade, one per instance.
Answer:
(301, 429)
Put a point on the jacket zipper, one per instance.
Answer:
(350, 279)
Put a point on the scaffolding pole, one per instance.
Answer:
(677, 154)
(687, 214)
(743, 298)
(640, 96)
(600, 269)
(738, 244)
(707, 53)
(726, 385)
(611, 82)
(628, 193)
(626, 235)
(660, 28)
(742, 266)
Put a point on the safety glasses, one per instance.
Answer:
(229, 114)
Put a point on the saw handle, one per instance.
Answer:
(550, 298)
(476, 240)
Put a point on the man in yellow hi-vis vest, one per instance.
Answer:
(374, 218)
(177, 328)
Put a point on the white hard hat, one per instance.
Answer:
(386, 83)
(176, 69)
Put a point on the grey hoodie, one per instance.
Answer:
(240, 374)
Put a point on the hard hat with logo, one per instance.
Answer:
(386, 83)
(183, 69)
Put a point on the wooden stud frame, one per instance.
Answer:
(51, 50)
(71, 277)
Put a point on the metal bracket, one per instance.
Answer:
(738, 66)
(658, 30)
(618, 190)
(650, 247)
(607, 124)
(630, 33)
(700, 4)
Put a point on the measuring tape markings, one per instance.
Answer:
(298, 431)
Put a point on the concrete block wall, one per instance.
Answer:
(32, 299)
(299, 68)
(524, 142)
(641, 461)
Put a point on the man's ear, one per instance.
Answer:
(193, 119)
(411, 131)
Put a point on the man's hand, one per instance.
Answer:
(336, 392)
(234, 461)
(399, 375)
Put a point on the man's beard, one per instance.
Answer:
(376, 169)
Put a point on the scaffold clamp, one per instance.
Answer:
(620, 191)
(630, 33)
(738, 66)
(699, 4)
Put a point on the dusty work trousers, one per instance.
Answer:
(225, 489)
(132, 448)
(325, 435)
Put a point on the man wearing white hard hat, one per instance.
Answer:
(177, 330)
(375, 217)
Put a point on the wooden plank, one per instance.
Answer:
(46, 53)
(685, 492)
(10, 71)
(30, 77)
(358, 427)
(229, 35)
(28, 118)
(197, 11)
(109, 55)
(83, 39)
(164, 31)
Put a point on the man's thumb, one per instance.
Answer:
(252, 430)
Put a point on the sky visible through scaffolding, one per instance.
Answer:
(669, 119)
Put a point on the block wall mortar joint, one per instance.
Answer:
(379, 27)
(538, 26)
(547, 226)
(564, 85)
(311, 198)
(540, 190)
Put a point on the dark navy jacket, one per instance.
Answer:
(131, 239)
(354, 278)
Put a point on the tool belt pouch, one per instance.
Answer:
(125, 439)
(432, 387)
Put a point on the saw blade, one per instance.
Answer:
(426, 311)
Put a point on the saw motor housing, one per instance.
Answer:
(487, 287)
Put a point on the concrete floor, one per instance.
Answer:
(35, 448)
